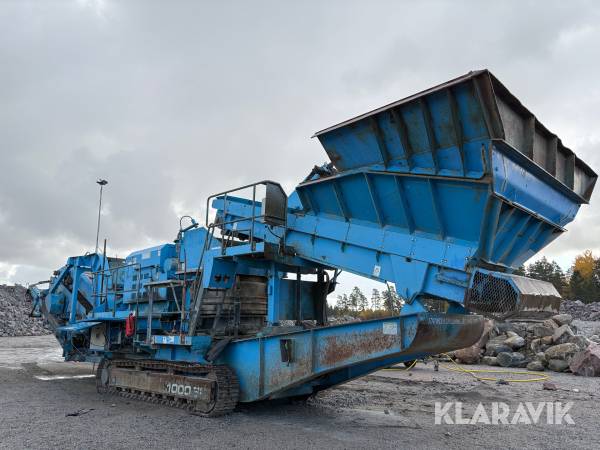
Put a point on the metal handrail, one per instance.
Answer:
(196, 289)
(115, 270)
(253, 218)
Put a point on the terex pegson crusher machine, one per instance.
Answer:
(443, 194)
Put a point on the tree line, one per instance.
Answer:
(580, 282)
(356, 304)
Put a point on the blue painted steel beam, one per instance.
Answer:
(340, 200)
(432, 143)
(376, 208)
(436, 209)
(403, 136)
(404, 206)
(380, 142)
(457, 130)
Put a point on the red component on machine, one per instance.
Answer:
(130, 325)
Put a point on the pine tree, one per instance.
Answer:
(391, 300)
(358, 301)
(545, 270)
(343, 303)
(375, 300)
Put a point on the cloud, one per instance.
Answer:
(172, 103)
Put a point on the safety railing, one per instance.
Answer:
(273, 212)
(100, 296)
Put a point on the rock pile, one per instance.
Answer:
(15, 307)
(579, 310)
(553, 344)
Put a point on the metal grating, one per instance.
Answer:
(491, 296)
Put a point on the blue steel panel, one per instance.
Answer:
(471, 114)
(397, 242)
(441, 116)
(328, 228)
(193, 241)
(287, 298)
(392, 141)
(545, 236)
(474, 157)
(388, 197)
(517, 184)
(423, 163)
(449, 160)
(354, 189)
(351, 150)
(420, 202)
(324, 195)
(458, 201)
(435, 128)
(415, 126)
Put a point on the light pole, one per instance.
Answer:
(102, 183)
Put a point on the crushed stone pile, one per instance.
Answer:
(556, 344)
(15, 306)
(579, 310)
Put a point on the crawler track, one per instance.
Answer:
(223, 396)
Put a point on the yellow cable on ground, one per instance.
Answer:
(474, 372)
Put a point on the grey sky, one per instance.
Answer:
(172, 101)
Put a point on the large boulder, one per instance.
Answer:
(541, 357)
(558, 365)
(587, 362)
(540, 344)
(562, 334)
(561, 351)
(472, 354)
(580, 341)
(469, 355)
(489, 360)
(515, 342)
(550, 324)
(511, 328)
(540, 330)
(563, 319)
(510, 359)
(493, 348)
(535, 365)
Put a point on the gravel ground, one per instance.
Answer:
(389, 409)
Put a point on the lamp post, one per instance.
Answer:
(102, 183)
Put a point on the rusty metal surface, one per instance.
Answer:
(445, 332)
(317, 352)
(337, 349)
